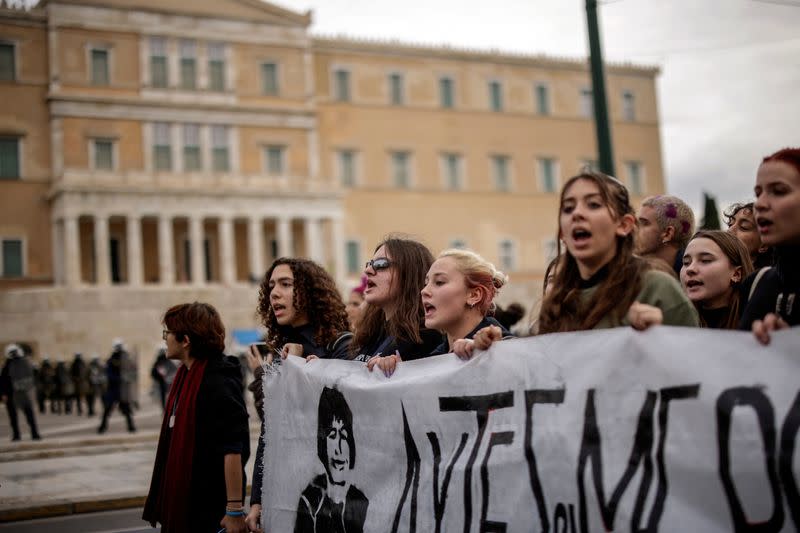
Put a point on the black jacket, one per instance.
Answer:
(486, 322)
(777, 291)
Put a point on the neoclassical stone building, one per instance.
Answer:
(158, 151)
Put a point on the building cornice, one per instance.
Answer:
(137, 109)
(324, 44)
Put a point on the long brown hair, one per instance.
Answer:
(562, 309)
(737, 254)
(315, 294)
(411, 261)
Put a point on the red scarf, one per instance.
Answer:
(168, 500)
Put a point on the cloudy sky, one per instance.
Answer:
(729, 91)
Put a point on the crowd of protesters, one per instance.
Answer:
(615, 268)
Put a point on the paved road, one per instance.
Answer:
(124, 521)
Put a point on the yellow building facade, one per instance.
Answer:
(158, 151)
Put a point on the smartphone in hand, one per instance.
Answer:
(262, 348)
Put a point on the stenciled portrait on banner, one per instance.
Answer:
(331, 503)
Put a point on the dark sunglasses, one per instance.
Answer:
(379, 263)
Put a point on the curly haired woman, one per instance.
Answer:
(304, 314)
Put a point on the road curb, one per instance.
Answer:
(62, 509)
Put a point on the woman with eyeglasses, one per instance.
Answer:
(391, 328)
(304, 314)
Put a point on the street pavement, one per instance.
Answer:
(74, 470)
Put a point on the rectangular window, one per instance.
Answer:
(158, 62)
(8, 62)
(451, 166)
(446, 99)
(495, 96)
(341, 85)
(100, 74)
(269, 79)
(508, 260)
(12, 258)
(500, 173)
(162, 146)
(216, 67)
(347, 170)
(542, 99)
(9, 157)
(587, 103)
(633, 169)
(353, 254)
(275, 156)
(103, 154)
(396, 89)
(219, 149)
(188, 65)
(548, 181)
(590, 164)
(628, 106)
(192, 159)
(400, 169)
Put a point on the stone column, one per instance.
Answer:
(255, 241)
(337, 250)
(314, 240)
(227, 254)
(166, 251)
(197, 274)
(102, 259)
(285, 245)
(57, 247)
(133, 227)
(72, 252)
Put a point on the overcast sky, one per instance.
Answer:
(729, 89)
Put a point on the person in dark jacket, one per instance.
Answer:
(772, 295)
(116, 391)
(16, 390)
(65, 388)
(47, 379)
(458, 295)
(304, 314)
(198, 483)
(163, 373)
(79, 372)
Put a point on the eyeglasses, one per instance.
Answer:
(164, 333)
(378, 264)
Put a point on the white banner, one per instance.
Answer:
(672, 429)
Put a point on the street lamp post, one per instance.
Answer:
(602, 127)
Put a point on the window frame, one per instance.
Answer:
(548, 107)
(393, 159)
(450, 80)
(493, 169)
(91, 48)
(93, 153)
(358, 266)
(23, 248)
(18, 140)
(512, 265)
(338, 157)
(397, 98)
(14, 59)
(282, 154)
(496, 103)
(216, 150)
(276, 78)
(444, 161)
(628, 106)
(641, 189)
(156, 146)
(336, 95)
(541, 163)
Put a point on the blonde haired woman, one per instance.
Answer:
(458, 296)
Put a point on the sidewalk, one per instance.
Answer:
(75, 470)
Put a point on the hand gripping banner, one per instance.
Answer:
(668, 430)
